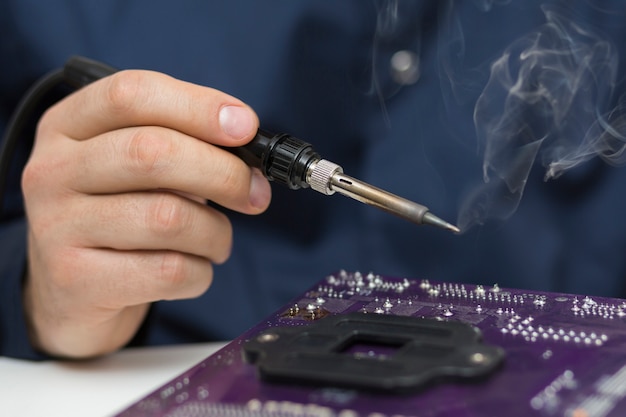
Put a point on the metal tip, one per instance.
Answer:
(433, 220)
(333, 179)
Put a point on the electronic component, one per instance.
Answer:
(379, 352)
(534, 353)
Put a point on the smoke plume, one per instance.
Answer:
(546, 100)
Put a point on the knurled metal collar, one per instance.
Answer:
(320, 174)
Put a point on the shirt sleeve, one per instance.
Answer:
(14, 340)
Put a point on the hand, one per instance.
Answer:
(114, 193)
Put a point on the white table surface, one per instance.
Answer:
(97, 388)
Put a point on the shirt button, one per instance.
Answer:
(405, 67)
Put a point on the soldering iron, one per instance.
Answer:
(281, 157)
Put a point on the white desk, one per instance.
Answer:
(95, 388)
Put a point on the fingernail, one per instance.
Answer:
(236, 121)
(260, 190)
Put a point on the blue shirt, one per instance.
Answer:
(323, 72)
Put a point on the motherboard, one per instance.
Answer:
(361, 344)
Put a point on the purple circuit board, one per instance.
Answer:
(528, 354)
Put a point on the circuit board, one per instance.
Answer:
(361, 344)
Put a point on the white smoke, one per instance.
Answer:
(546, 100)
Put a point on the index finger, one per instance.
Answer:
(147, 98)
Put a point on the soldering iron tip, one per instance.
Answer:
(433, 220)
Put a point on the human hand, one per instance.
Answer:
(114, 194)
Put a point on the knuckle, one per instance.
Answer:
(31, 175)
(173, 269)
(233, 182)
(123, 91)
(184, 277)
(35, 174)
(38, 169)
(46, 123)
(147, 152)
(167, 217)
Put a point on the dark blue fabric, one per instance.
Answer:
(320, 70)
(13, 327)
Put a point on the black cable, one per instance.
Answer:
(29, 103)
(77, 72)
